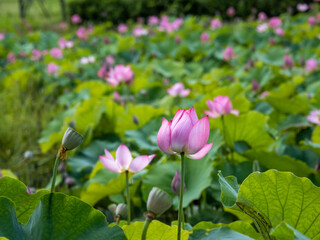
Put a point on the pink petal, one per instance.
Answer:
(164, 136)
(212, 114)
(177, 117)
(140, 162)
(123, 157)
(184, 92)
(193, 115)
(210, 105)
(108, 155)
(201, 153)
(109, 164)
(199, 135)
(180, 133)
(235, 112)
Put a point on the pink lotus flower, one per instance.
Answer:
(178, 90)
(63, 25)
(52, 68)
(264, 94)
(262, 16)
(275, 22)
(231, 11)
(255, 85)
(279, 31)
(312, 21)
(87, 60)
(153, 20)
(11, 58)
(177, 39)
(56, 53)
(215, 23)
(221, 105)
(314, 117)
(102, 72)
(2, 35)
(169, 27)
(311, 65)
(288, 61)
(124, 161)
(176, 182)
(117, 98)
(139, 31)
(262, 27)
(228, 53)
(302, 7)
(118, 74)
(82, 33)
(204, 37)
(36, 55)
(318, 17)
(122, 28)
(75, 19)
(64, 43)
(110, 60)
(185, 134)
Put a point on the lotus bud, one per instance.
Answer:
(175, 184)
(121, 210)
(1, 173)
(71, 139)
(30, 190)
(28, 155)
(135, 119)
(158, 202)
(112, 208)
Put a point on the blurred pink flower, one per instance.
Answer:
(264, 94)
(215, 23)
(177, 39)
(204, 37)
(312, 21)
(221, 105)
(288, 61)
(63, 25)
(56, 53)
(110, 60)
(302, 7)
(185, 134)
(255, 85)
(52, 68)
(318, 17)
(87, 60)
(279, 31)
(117, 98)
(275, 22)
(228, 53)
(314, 117)
(231, 11)
(22, 54)
(178, 90)
(262, 27)
(64, 43)
(262, 16)
(102, 72)
(118, 74)
(75, 19)
(82, 33)
(139, 31)
(311, 65)
(124, 161)
(36, 55)
(11, 58)
(153, 20)
(122, 28)
(169, 27)
(2, 36)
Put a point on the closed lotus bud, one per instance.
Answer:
(135, 119)
(175, 184)
(158, 202)
(28, 155)
(71, 139)
(255, 85)
(112, 208)
(121, 210)
(30, 190)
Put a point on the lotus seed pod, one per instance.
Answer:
(158, 201)
(122, 210)
(71, 139)
(28, 155)
(112, 208)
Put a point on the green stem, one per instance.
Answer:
(28, 174)
(180, 213)
(54, 174)
(128, 197)
(145, 228)
(225, 135)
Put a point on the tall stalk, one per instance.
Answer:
(180, 213)
(145, 228)
(54, 174)
(128, 197)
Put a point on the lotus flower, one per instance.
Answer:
(231, 11)
(176, 182)
(52, 68)
(82, 33)
(275, 22)
(178, 90)
(311, 65)
(2, 35)
(221, 105)
(56, 53)
(87, 60)
(120, 73)
(204, 37)
(75, 19)
(64, 43)
(169, 27)
(124, 161)
(215, 23)
(312, 21)
(314, 117)
(302, 7)
(288, 61)
(11, 57)
(139, 31)
(185, 134)
(153, 20)
(36, 55)
(228, 53)
(262, 16)
(262, 27)
(122, 28)
(279, 31)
